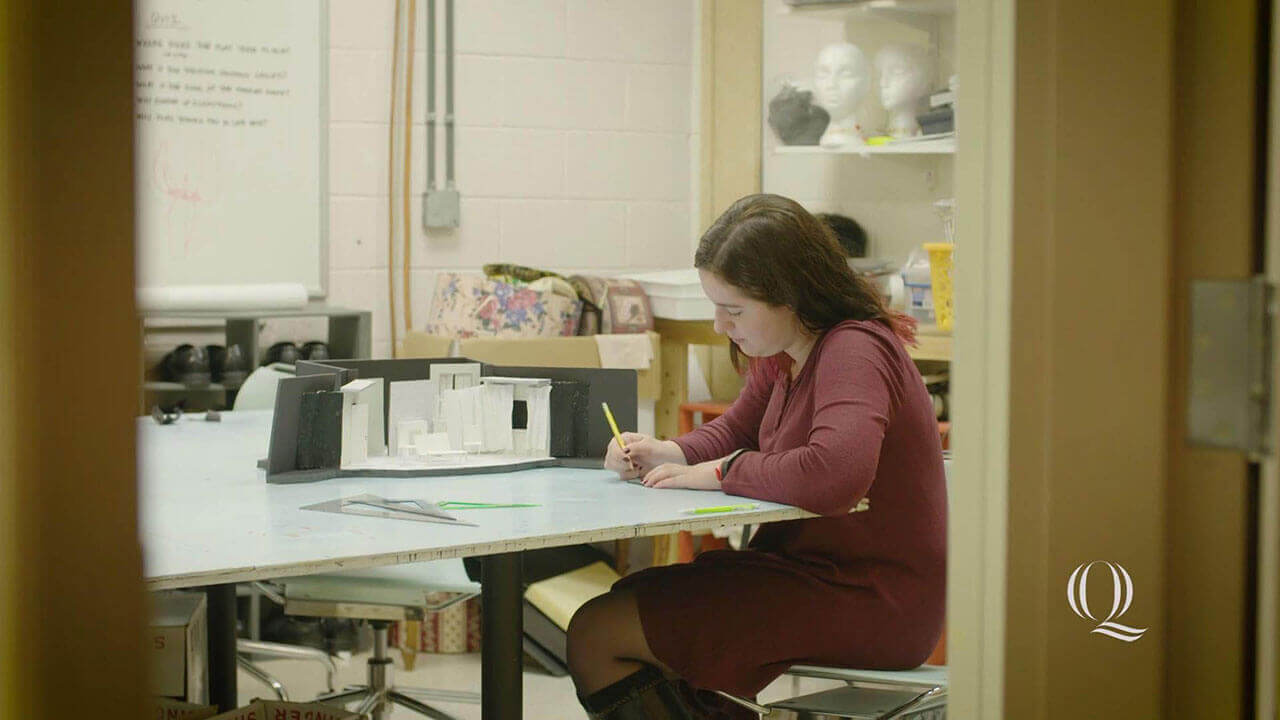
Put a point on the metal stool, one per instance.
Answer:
(381, 596)
(918, 694)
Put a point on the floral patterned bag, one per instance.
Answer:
(467, 305)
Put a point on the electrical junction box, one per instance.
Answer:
(441, 208)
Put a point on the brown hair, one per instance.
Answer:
(775, 251)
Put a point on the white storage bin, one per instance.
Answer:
(676, 294)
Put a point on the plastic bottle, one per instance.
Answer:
(919, 286)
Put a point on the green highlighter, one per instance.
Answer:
(720, 509)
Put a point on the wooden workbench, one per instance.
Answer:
(678, 335)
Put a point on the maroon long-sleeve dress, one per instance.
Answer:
(854, 439)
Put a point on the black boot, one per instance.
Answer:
(643, 695)
(186, 364)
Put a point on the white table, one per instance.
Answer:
(209, 519)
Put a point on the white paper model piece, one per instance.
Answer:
(457, 419)
(841, 79)
(409, 400)
(410, 436)
(535, 393)
(496, 403)
(355, 432)
(904, 82)
(367, 392)
(472, 418)
(436, 443)
(462, 418)
(455, 376)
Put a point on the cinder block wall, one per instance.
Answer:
(575, 144)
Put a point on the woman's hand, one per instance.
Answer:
(641, 455)
(693, 477)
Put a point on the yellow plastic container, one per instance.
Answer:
(940, 257)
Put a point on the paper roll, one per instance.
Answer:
(267, 296)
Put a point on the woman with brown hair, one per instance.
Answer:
(834, 418)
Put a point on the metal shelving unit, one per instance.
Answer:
(350, 336)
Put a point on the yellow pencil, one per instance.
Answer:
(614, 425)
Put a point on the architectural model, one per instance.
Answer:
(431, 417)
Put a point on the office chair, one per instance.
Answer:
(918, 694)
(379, 596)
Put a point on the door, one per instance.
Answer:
(1109, 155)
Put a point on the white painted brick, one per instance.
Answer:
(473, 243)
(510, 27)
(660, 31)
(357, 159)
(357, 232)
(363, 290)
(550, 233)
(419, 82)
(658, 98)
(595, 29)
(594, 95)
(696, 223)
(361, 24)
(510, 163)
(596, 165)
(533, 93)
(657, 31)
(657, 167)
(359, 86)
(658, 235)
(476, 91)
(535, 131)
(418, 160)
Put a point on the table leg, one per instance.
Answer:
(502, 632)
(222, 645)
(675, 387)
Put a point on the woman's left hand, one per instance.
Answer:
(693, 477)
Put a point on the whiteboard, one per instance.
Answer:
(231, 128)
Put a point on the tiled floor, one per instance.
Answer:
(545, 697)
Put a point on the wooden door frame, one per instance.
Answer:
(70, 561)
(977, 541)
(1267, 690)
(1037, 488)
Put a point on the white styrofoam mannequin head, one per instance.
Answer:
(904, 81)
(842, 78)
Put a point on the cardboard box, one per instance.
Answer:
(177, 646)
(561, 596)
(279, 710)
(163, 708)
(566, 352)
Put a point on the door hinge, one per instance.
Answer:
(1229, 393)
